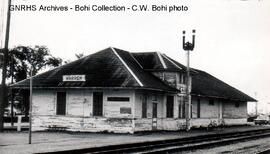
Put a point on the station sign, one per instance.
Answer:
(73, 78)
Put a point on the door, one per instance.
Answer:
(60, 103)
(97, 103)
(154, 116)
(169, 106)
(221, 121)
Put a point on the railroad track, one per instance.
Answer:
(265, 151)
(176, 145)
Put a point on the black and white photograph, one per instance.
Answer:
(135, 76)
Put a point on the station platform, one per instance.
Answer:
(17, 142)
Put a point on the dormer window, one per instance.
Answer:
(170, 78)
(181, 78)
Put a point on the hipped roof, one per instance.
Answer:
(109, 68)
(116, 68)
(204, 84)
(156, 61)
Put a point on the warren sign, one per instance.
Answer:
(74, 78)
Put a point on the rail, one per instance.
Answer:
(175, 145)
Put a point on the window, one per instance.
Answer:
(211, 102)
(169, 106)
(170, 78)
(181, 102)
(198, 108)
(144, 106)
(182, 78)
(119, 99)
(61, 103)
(97, 103)
(237, 104)
(154, 110)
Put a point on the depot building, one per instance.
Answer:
(118, 91)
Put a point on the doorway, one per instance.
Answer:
(154, 116)
(97, 103)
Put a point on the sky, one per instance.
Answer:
(232, 36)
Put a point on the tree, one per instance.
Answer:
(22, 58)
(79, 55)
(20, 61)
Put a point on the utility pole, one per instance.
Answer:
(256, 105)
(187, 46)
(30, 105)
(3, 97)
(11, 91)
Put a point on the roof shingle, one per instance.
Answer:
(204, 84)
(101, 69)
(116, 68)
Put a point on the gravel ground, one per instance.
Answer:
(247, 147)
(17, 142)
